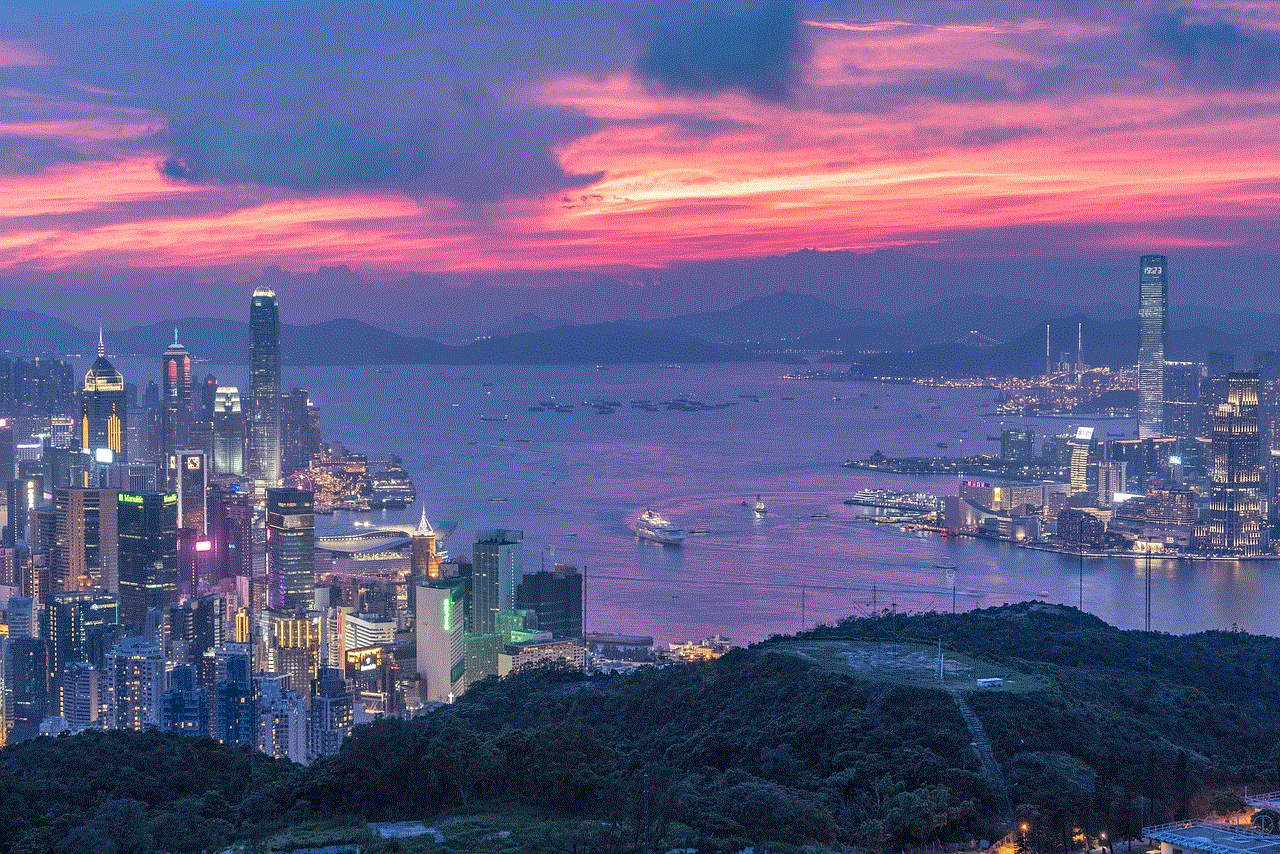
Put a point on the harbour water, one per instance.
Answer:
(574, 482)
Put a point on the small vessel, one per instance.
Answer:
(759, 509)
(819, 515)
(493, 418)
(651, 526)
(948, 566)
(943, 445)
(497, 499)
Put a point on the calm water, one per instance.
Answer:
(575, 482)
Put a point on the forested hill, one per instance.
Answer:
(783, 745)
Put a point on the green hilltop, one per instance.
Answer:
(840, 738)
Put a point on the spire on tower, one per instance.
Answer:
(424, 527)
(175, 335)
(102, 348)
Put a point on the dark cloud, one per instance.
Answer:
(31, 156)
(1214, 52)
(759, 51)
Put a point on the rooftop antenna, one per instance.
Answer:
(1047, 371)
(175, 335)
(102, 348)
(1079, 351)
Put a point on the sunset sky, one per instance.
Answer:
(145, 148)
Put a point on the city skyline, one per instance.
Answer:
(923, 148)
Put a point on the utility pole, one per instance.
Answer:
(803, 623)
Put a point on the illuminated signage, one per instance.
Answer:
(364, 660)
(104, 456)
(170, 499)
(130, 498)
(446, 614)
(194, 462)
(1151, 271)
(204, 546)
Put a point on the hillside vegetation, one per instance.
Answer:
(758, 748)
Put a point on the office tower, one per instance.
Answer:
(184, 706)
(147, 526)
(104, 414)
(291, 541)
(189, 480)
(300, 432)
(80, 692)
(1235, 488)
(30, 685)
(331, 715)
(135, 676)
(204, 401)
(1083, 460)
(175, 410)
(439, 633)
(73, 626)
(21, 617)
(65, 467)
(1183, 407)
(1267, 366)
(496, 560)
(228, 432)
(235, 710)
(231, 532)
(555, 596)
(1153, 332)
(8, 452)
(1017, 445)
(264, 388)
(23, 497)
(424, 557)
(297, 642)
(84, 551)
(1218, 364)
(1112, 478)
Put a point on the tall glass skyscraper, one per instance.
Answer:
(103, 413)
(264, 387)
(291, 545)
(1235, 480)
(175, 412)
(1153, 330)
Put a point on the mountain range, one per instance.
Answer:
(960, 335)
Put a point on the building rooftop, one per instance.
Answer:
(1214, 838)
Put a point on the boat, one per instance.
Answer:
(819, 515)
(493, 418)
(391, 489)
(943, 445)
(950, 566)
(497, 499)
(759, 509)
(651, 526)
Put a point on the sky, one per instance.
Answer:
(413, 164)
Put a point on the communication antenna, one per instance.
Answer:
(1079, 351)
(803, 623)
(1047, 371)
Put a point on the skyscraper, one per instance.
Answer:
(332, 713)
(1235, 482)
(103, 410)
(291, 541)
(264, 387)
(189, 480)
(497, 558)
(555, 595)
(84, 552)
(135, 674)
(228, 432)
(1183, 409)
(438, 628)
(175, 408)
(1153, 330)
(148, 530)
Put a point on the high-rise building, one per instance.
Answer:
(425, 558)
(264, 387)
(8, 452)
(497, 561)
(148, 533)
(204, 401)
(1153, 332)
(103, 410)
(332, 713)
(1084, 458)
(81, 694)
(1267, 366)
(291, 541)
(235, 709)
(184, 706)
(189, 480)
(175, 410)
(1018, 445)
(441, 645)
(300, 432)
(231, 533)
(84, 552)
(228, 432)
(135, 673)
(30, 686)
(555, 596)
(1183, 407)
(76, 626)
(1235, 480)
